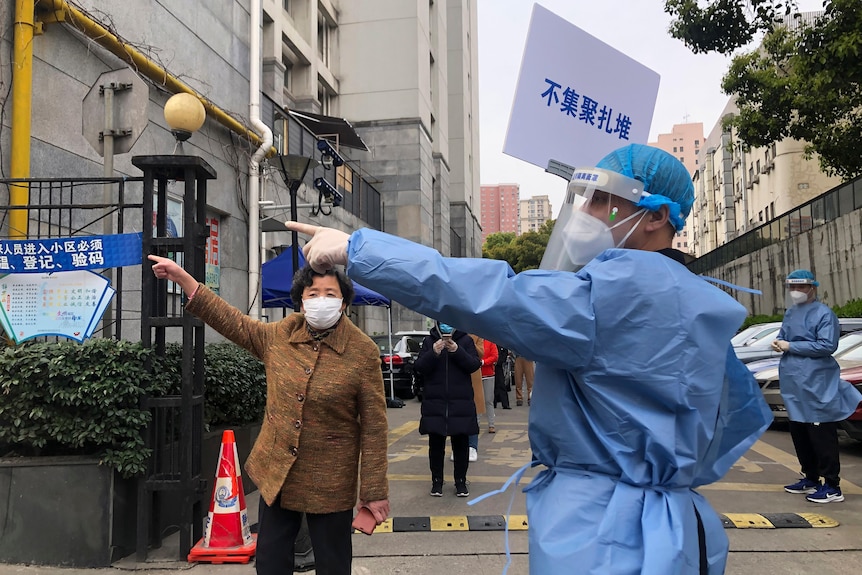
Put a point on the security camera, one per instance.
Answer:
(329, 156)
(330, 192)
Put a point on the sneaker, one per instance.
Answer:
(461, 489)
(519, 403)
(474, 454)
(804, 486)
(826, 494)
(436, 488)
(492, 429)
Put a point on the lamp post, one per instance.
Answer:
(185, 115)
(293, 169)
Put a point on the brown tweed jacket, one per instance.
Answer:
(324, 407)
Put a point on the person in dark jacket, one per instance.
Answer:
(501, 390)
(447, 359)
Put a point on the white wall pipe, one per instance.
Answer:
(254, 176)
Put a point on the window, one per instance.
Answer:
(279, 133)
(288, 74)
(696, 143)
(323, 39)
(344, 178)
(680, 149)
(674, 149)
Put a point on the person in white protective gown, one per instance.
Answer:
(815, 396)
(638, 397)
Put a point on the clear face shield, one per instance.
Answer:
(799, 292)
(590, 221)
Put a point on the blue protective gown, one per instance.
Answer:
(811, 387)
(638, 397)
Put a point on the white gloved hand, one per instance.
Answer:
(780, 345)
(326, 248)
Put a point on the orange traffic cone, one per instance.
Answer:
(227, 536)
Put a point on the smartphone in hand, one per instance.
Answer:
(364, 521)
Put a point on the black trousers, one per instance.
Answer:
(817, 449)
(437, 451)
(501, 394)
(330, 539)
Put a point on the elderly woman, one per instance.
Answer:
(325, 408)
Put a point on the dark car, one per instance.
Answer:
(397, 366)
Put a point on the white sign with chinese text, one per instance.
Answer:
(577, 98)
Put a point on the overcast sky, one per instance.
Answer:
(689, 90)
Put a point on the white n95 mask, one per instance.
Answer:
(589, 236)
(322, 312)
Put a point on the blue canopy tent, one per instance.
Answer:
(277, 277)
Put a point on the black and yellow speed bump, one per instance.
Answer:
(775, 520)
(519, 522)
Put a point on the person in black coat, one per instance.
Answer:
(501, 392)
(447, 359)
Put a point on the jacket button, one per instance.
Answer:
(300, 397)
(307, 371)
(293, 450)
(315, 348)
(297, 424)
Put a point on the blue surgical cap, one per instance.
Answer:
(664, 177)
(803, 275)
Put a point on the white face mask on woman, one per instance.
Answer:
(322, 312)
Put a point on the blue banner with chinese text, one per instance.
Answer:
(70, 254)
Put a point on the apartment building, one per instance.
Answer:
(684, 142)
(737, 190)
(499, 209)
(404, 74)
(533, 212)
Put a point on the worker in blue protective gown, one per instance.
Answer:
(638, 398)
(815, 396)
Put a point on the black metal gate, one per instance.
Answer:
(81, 207)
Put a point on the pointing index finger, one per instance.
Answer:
(307, 229)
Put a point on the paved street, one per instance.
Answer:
(753, 486)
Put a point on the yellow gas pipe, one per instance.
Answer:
(22, 86)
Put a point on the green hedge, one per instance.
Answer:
(84, 399)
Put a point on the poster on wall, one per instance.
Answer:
(213, 272)
(66, 304)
